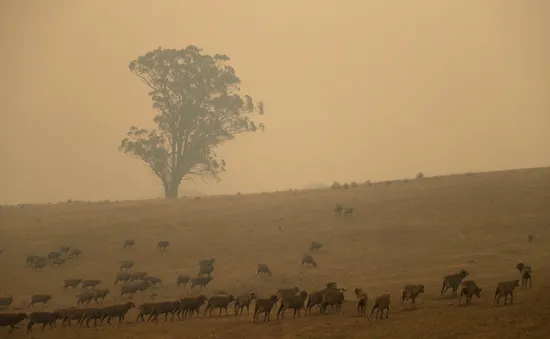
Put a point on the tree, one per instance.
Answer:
(197, 106)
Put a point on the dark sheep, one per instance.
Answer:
(12, 320)
(315, 246)
(75, 252)
(85, 297)
(469, 288)
(296, 303)
(161, 245)
(362, 299)
(348, 211)
(243, 301)
(182, 279)
(6, 301)
(381, 303)
(205, 270)
(190, 305)
(126, 265)
(91, 314)
(201, 281)
(332, 298)
(44, 318)
(119, 311)
(72, 313)
(123, 276)
(263, 269)
(166, 307)
(100, 294)
(136, 276)
(153, 281)
(40, 298)
(264, 305)
(526, 273)
(38, 266)
(453, 281)
(505, 288)
(64, 249)
(219, 301)
(411, 292)
(145, 309)
(129, 243)
(207, 262)
(307, 259)
(338, 209)
(316, 298)
(71, 283)
(90, 283)
(54, 255)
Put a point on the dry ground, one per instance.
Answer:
(413, 232)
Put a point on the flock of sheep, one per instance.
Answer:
(287, 298)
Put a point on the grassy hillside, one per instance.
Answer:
(400, 233)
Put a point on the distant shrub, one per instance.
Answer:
(345, 186)
(354, 184)
(336, 185)
(420, 175)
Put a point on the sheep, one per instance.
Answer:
(90, 283)
(332, 298)
(243, 301)
(38, 266)
(207, 262)
(142, 285)
(72, 313)
(85, 297)
(200, 281)
(453, 281)
(129, 243)
(182, 279)
(469, 288)
(219, 301)
(264, 305)
(44, 318)
(40, 298)
(191, 304)
(339, 208)
(205, 270)
(348, 211)
(153, 281)
(54, 255)
(411, 292)
(100, 294)
(136, 276)
(145, 309)
(362, 299)
(308, 259)
(316, 297)
(381, 303)
(285, 294)
(64, 249)
(130, 289)
(91, 314)
(315, 246)
(505, 288)
(119, 311)
(126, 265)
(12, 320)
(295, 302)
(526, 273)
(31, 259)
(164, 308)
(263, 269)
(71, 283)
(56, 262)
(6, 301)
(161, 245)
(122, 276)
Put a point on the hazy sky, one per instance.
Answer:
(353, 90)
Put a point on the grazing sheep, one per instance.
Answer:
(40, 298)
(71, 283)
(126, 265)
(348, 211)
(130, 289)
(191, 304)
(526, 273)
(90, 283)
(219, 301)
(44, 318)
(362, 299)
(453, 281)
(205, 270)
(315, 246)
(182, 279)
(295, 302)
(72, 313)
(129, 243)
(91, 314)
(381, 303)
(161, 245)
(505, 288)
(469, 288)
(12, 320)
(145, 309)
(307, 259)
(411, 292)
(338, 209)
(207, 262)
(85, 297)
(6, 301)
(54, 255)
(316, 297)
(200, 281)
(264, 305)
(100, 294)
(332, 298)
(166, 307)
(243, 301)
(263, 269)
(119, 311)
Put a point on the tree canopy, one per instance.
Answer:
(198, 107)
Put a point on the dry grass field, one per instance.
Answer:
(400, 233)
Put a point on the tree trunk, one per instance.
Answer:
(171, 190)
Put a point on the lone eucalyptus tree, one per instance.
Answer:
(197, 106)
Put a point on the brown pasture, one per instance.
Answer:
(400, 233)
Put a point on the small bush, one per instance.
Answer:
(336, 185)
